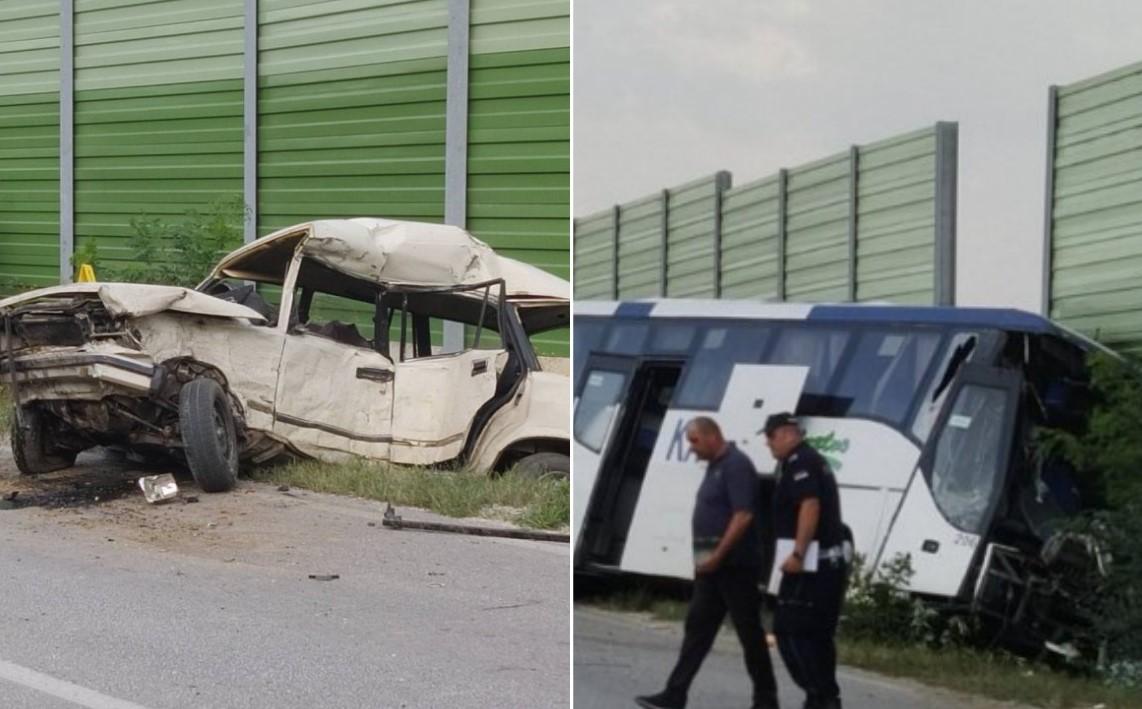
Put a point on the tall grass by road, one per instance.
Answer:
(540, 503)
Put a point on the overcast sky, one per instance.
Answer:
(669, 90)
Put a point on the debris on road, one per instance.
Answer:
(510, 606)
(393, 521)
(324, 577)
(283, 488)
(158, 488)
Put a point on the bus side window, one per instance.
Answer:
(627, 337)
(597, 406)
(818, 349)
(883, 376)
(958, 351)
(588, 334)
(672, 338)
(708, 372)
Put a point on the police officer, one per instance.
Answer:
(807, 511)
(727, 565)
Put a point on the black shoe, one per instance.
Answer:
(834, 703)
(662, 700)
(767, 703)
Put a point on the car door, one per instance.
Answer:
(334, 398)
(435, 400)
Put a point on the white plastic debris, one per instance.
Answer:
(1067, 650)
(158, 488)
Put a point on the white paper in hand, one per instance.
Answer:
(785, 550)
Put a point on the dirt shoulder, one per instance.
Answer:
(256, 522)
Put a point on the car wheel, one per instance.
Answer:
(32, 444)
(209, 436)
(539, 465)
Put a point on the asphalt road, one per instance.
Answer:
(618, 656)
(119, 605)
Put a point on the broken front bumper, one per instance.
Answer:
(76, 375)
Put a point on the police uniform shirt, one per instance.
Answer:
(805, 474)
(730, 485)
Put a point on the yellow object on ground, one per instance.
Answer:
(86, 274)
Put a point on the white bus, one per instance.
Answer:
(927, 415)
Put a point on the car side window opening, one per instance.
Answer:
(255, 279)
(345, 320)
(417, 323)
(479, 336)
(248, 294)
(967, 473)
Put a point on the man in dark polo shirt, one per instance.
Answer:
(807, 512)
(727, 565)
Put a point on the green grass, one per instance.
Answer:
(994, 674)
(641, 600)
(5, 411)
(536, 503)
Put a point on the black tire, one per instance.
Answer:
(540, 465)
(33, 447)
(209, 436)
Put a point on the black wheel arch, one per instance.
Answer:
(524, 447)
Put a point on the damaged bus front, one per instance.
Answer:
(929, 417)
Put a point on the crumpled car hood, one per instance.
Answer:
(136, 300)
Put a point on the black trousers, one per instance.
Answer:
(732, 589)
(808, 608)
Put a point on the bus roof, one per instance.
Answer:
(1009, 319)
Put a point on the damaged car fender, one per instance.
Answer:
(536, 420)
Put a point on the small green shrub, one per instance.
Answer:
(1108, 455)
(879, 609)
(876, 605)
(182, 253)
(85, 252)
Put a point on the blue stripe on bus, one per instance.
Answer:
(634, 310)
(1001, 318)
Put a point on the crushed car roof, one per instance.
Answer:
(405, 253)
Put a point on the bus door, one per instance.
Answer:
(626, 400)
(948, 507)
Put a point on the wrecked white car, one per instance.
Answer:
(223, 373)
